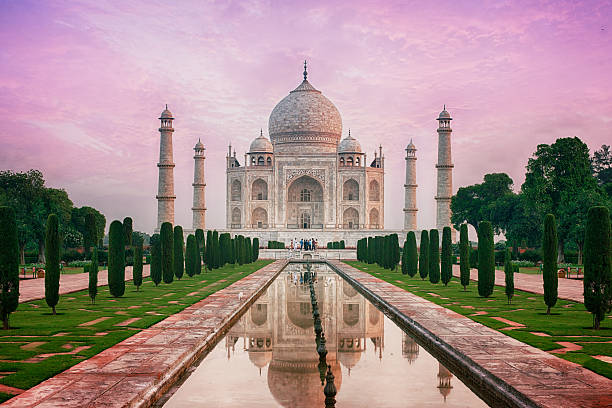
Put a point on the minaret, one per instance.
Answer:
(445, 172)
(199, 200)
(410, 208)
(165, 189)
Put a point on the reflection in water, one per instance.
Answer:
(278, 337)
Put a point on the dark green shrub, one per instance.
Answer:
(9, 265)
(395, 251)
(52, 256)
(410, 248)
(446, 262)
(424, 255)
(116, 259)
(225, 248)
(342, 245)
(166, 235)
(255, 249)
(486, 259)
(434, 256)
(191, 255)
(179, 252)
(137, 269)
(371, 250)
(208, 257)
(530, 255)
(71, 255)
(509, 273)
(216, 252)
(549, 267)
(473, 256)
(201, 244)
(249, 250)
(597, 264)
(464, 256)
(93, 275)
(156, 259)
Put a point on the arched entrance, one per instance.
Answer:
(305, 204)
(350, 218)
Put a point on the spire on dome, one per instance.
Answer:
(305, 71)
(260, 132)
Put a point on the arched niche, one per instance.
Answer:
(350, 218)
(374, 191)
(259, 218)
(236, 192)
(350, 190)
(374, 217)
(259, 190)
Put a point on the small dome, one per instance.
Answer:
(166, 114)
(261, 145)
(444, 114)
(260, 358)
(199, 145)
(349, 359)
(349, 145)
(411, 145)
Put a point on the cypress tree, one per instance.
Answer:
(371, 249)
(424, 255)
(412, 255)
(198, 260)
(249, 250)
(179, 252)
(405, 257)
(549, 267)
(395, 251)
(486, 259)
(216, 251)
(208, 257)
(446, 257)
(156, 262)
(464, 255)
(191, 255)
(90, 238)
(9, 265)
(255, 249)
(232, 248)
(386, 251)
(239, 256)
(166, 235)
(597, 264)
(137, 268)
(509, 273)
(52, 255)
(201, 246)
(116, 259)
(434, 256)
(380, 241)
(93, 275)
(127, 229)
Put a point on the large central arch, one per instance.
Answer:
(305, 207)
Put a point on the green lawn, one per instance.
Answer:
(569, 321)
(35, 333)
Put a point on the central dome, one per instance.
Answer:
(305, 117)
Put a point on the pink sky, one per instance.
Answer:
(83, 83)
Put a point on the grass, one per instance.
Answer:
(35, 332)
(570, 321)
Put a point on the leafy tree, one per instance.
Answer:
(598, 264)
(179, 252)
(9, 265)
(137, 268)
(410, 248)
(486, 259)
(127, 230)
(156, 259)
(208, 257)
(446, 259)
(509, 273)
(116, 259)
(464, 256)
(78, 220)
(549, 267)
(191, 255)
(143, 237)
(93, 275)
(255, 249)
(424, 255)
(52, 256)
(602, 168)
(434, 256)
(167, 252)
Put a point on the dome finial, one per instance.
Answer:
(260, 132)
(349, 132)
(444, 107)
(305, 71)
(166, 106)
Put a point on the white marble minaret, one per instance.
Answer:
(410, 207)
(445, 172)
(165, 188)
(199, 200)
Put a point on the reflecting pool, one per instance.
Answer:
(269, 357)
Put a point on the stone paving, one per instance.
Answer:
(569, 289)
(33, 289)
(138, 370)
(545, 379)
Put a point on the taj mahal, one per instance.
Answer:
(305, 180)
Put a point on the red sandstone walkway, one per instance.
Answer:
(569, 289)
(138, 370)
(547, 380)
(33, 289)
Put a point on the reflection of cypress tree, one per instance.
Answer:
(446, 259)
(179, 252)
(191, 255)
(434, 256)
(116, 259)
(9, 265)
(424, 255)
(486, 259)
(597, 264)
(549, 267)
(156, 263)
(464, 255)
(167, 252)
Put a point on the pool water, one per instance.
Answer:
(269, 358)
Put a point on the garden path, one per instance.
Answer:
(33, 289)
(569, 289)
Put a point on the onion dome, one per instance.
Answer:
(166, 114)
(349, 145)
(305, 117)
(260, 358)
(411, 145)
(444, 114)
(261, 145)
(349, 359)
